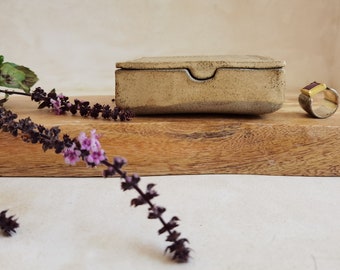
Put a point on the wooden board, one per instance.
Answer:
(287, 142)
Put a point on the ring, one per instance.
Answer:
(316, 106)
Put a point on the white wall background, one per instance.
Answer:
(73, 45)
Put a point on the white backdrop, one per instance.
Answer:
(261, 222)
(73, 45)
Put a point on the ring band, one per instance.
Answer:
(328, 105)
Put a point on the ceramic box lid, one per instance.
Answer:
(203, 67)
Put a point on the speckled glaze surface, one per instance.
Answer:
(245, 84)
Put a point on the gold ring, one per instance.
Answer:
(315, 106)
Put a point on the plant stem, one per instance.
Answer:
(12, 92)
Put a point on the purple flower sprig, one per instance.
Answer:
(60, 104)
(88, 149)
(8, 225)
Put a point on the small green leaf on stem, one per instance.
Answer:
(14, 76)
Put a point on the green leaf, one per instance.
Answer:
(14, 76)
(1, 59)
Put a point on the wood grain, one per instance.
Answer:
(287, 142)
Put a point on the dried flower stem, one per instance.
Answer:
(180, 252)
(8, 224)
(60, 104)
(89, 150)
(137, 188)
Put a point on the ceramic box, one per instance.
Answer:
(231, 84)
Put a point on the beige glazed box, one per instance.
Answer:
(233, 84)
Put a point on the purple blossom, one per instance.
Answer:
(57, 104)
(92, 145)
(85, 142)
(89, 144)
(95, 144)
(71, 155)
(96, 157)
